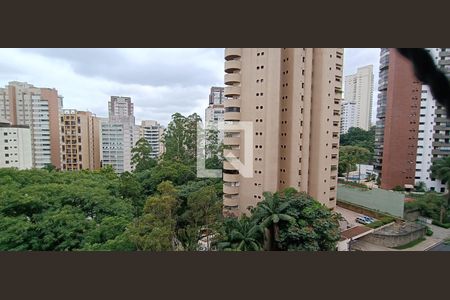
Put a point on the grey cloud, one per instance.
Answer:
(159, 81)
(196, 66)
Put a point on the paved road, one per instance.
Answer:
(440, 247)
(348, 215)
(439, 232)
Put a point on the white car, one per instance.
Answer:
(362, 220)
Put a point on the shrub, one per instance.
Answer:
(444, 225)
(398, 189)
(429, 232)
(410, 244)
(382, 221)
(353, 184)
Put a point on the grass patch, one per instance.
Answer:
(410, 244)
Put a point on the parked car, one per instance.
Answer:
(362, 220)
(369, 219)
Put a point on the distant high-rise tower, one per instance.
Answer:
(215, 111)
(292, 96)
(216, 96)
(396, 134)
(121, 109)
(23, 104)
(80, 140)
(358, 93)
(119, 134)
(152, 132)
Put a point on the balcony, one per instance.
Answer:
(232, 190)
(231, 141)
(233, 53)
(232, 103)
(230, 201)
(232, 91)
(232, 116)
(231, 153)
(232, 78)
(228, 166)
(230, 177)
(232, 66)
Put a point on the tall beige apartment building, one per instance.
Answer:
(24, 104)
(292, 96)
(80, 140)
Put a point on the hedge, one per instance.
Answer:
(444, 225)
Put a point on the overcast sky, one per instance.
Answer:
(159, 81)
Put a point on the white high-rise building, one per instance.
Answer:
(359, 90)
(152, 131)
(348, 116)
(215, 111)
(119, 134)
(112, 144)
(15, 146)
(434, 129)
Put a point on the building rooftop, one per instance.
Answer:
(355, 231)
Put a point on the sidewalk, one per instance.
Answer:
(422, 246)
(425, 245)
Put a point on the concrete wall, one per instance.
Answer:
(394, 240)
(388, 202)
(411, 215)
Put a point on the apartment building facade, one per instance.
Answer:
(292, 96)
(434, 128)
(214, 113)
(80, 140)
(397, 127)
(359, 92)
(348, 116)
(15, 146)
(24, 104)
(119, 134)
(153, 132)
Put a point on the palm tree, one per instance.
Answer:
(268, 214)
(441, 170)
(242, 235)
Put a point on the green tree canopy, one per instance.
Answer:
(441, 170)
(141, 156)
(350, 156)
(180, 138)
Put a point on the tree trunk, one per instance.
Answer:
(441, 215)
(276, 235)
(359, 173)
(267, 240)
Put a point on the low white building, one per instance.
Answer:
(15, 146)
